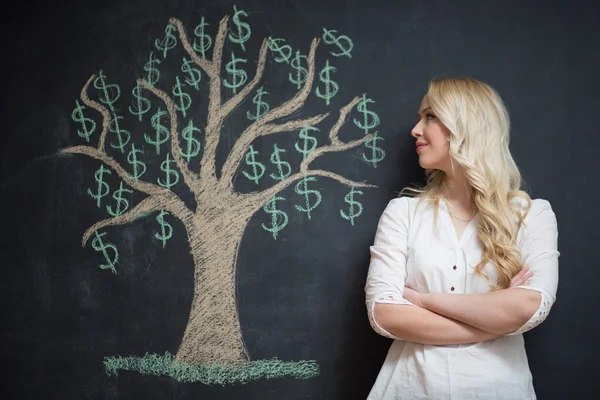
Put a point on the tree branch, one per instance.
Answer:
(264, 196)
(144, 187)
(261, 126)
(335, 146)
(344, 111)
(206, 65)
(98, 107)
(232, 103)
(168, 201)
(294, 104)
(336, 143)
(215, 119)
(269, 129)
(190, 179)
(249, 135)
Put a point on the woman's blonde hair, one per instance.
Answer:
(479, 128)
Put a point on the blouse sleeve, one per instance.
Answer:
(539, 250)
(387, 269)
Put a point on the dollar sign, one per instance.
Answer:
(377, 153)
(103, 188)
(77, 116)
(138, 166)
(98, 245)
(165, 227)
(284, 51)
(169, 182)
(331, 86)
(109, 93)
(261, 107)
(243, 29)
(276, 224)
(168, 42)
(370, 118)
(122, 203)
(306, 150)
(343, 42)
(301, 75)
(275, 159)
(161, 132)
(152, 70)
(141, 105)
(251, 161)
(184, 99)
(239, 75)
(352, 203)
(194, 74)
(302, 189)
(123, 136)
(192, 144)
(205, 40)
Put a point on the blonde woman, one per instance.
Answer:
(465, 265)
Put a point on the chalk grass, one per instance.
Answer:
(213, 374)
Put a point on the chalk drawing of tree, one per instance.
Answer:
(213, 336)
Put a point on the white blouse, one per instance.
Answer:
(408, 251)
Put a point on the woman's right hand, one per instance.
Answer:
(522, 278)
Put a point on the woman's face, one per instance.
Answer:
(432, 141)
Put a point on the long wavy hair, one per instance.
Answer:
(479, 127)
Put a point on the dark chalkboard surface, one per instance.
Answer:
(173, 227)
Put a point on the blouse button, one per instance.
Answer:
(454, 267)
(452, 288)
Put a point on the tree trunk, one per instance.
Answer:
(213, 333)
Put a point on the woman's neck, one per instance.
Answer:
(456, 189)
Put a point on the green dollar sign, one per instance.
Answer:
(138, 166)
(255, 165)
(343, 42)
(331, 86)
(192, 144)
(285, 51)
(103, 188)
(77, 116)
(261, 107)
(377, 153)
(301, 75)
(239, 75)
(151, 68)
(194, 74)
(302, 189)
(276, 225)
(161, 132)
(352, 203)
(243, 29)
(122, 203)
(168, 42)
(171, 175)
(184, 101)
(275, 159)
(109, 93)
(123, 136)
(166, 230)
(98, 245)
(305, 149)
(370, 118)
(141, 105)
(205, 40)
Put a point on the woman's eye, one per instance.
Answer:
(430, 116)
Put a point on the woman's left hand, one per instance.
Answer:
(413, 296)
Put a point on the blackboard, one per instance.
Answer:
(209, 270)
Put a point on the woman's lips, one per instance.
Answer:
(420, 146)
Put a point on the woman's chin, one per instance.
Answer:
(424, 164)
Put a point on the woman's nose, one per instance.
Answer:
(416, 131)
